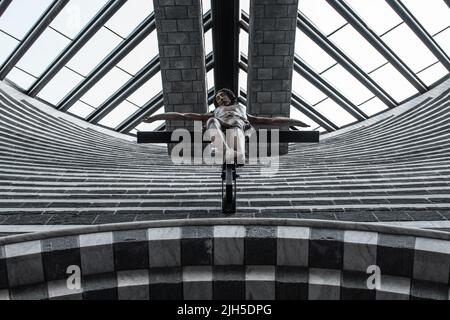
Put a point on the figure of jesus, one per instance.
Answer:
(230, 123)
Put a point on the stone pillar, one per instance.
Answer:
(179, 25)
(273, 25)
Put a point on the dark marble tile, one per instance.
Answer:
(422, 290)
(196, 252)
(354, 287)
(166, 291)
(198, 290)
(25, 270)
(59, 254)
(31, 292)
(395, 255)
(135, 293)
(100, 287)
(326, 249)
(131, 250)
(260, 251)
(291, 291)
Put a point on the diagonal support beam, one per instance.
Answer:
(155, 104)
(323, 85)
(75, 46)
(135, 38)
(4, 4)
(356, 22)
(298, 102)
(37, 30)
(420, 31)
(322, 41)
(226, 16)
(145, 74)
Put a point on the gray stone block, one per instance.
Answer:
(169, 26)
(172, 51)
(176, 12)
(185, 25)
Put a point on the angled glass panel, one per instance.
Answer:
(434, 15)
(208, 42)
(393, 83)
(433, 73)
(376, 13)
(206, 6)
(409, 48)
(118, 115)
(210, 79)
(243, 42)
(342, 80)
(21, 16)
(297, 115)
(61, 84)
(147, 92)
(357, 48)
(145, 127)
(141, 55)
(335, 113)
(243, 78)
(322, 15)
(373, 107)
(310, 52)
(43, 52)
(76, 15)
(106, 87)
(101, 44)
(130, 16)
(443, 39)
(81, 109)
(306, 90)
(8, 44)
(245, 5)
(21, 78)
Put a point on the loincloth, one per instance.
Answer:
(235, 122)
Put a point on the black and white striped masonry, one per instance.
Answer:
(56, 172)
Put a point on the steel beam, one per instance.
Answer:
(322, 41)
(76, 45)
(154, 105)
(46, 19)
(356, 22)
(225, 15)
(4, 4)
(145, 74)
(323, 85)
(420, 31)
(135, 38)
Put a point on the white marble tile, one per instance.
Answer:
(370, 238)
(260, 273)
(133, 278)
(229, 232)
(396, 285)
(197, 274)
(96, 239)
(164, 234)
(325, 277)
(433, 245)
(59, 288)
(294, 233)
(23, 249)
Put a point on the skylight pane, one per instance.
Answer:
(208, 42)
(146, 127)
(310, 52)
(20, 78)
(376, 13)
(322, 15)
(243, 42)
(243, 80)
(43, 52)
(148, 91)
(210, 79)
(296, 114)
(443, 39)
(81, 109)
(21, 16)
(118, 115)
(347, 84)
(60, 86)
(358, 49)
(76, 15)
(141, 55)
(206, 5)
(107, 86)
(101, 44)
(373, 106)
(434, 15)
(305, 89)
(130, 16)
(394, 83)
(245, 5)
(7, 47)
(335, 113)
(433, 74)
(409, 48)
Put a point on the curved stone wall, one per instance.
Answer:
(55, 172)
(228, 259)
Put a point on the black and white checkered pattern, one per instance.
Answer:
(225, 261)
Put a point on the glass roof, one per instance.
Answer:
(433, 15)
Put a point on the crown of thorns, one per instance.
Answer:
(230, 95)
